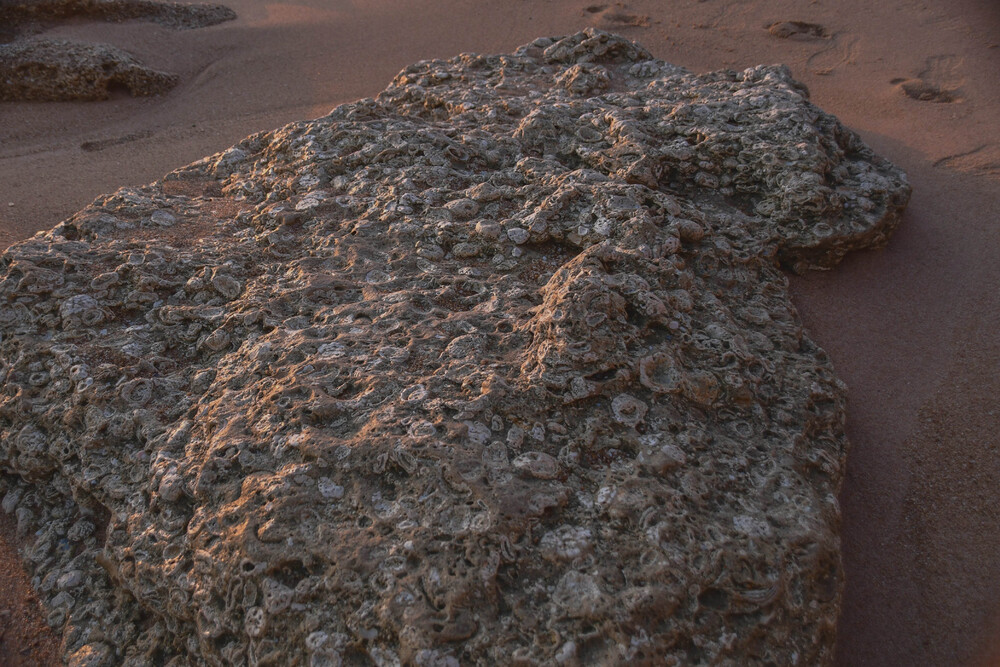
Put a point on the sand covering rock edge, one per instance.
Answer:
(496, 367)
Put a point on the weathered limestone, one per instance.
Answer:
(498, 367)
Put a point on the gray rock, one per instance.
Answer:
(34, 15)
(607, 442)
(53, 69)
(40, 69)
(71, 579)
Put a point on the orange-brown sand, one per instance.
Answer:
(914, 330)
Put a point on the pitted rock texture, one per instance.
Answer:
(498, 367)
(46, 70)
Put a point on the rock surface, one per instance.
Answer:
(46, 70)
(49, 70)
(496, 368)
(33, 15)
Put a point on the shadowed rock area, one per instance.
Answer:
(498, 367)
(37, 69)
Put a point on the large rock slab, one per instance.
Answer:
(499, 367)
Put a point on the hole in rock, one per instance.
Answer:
(118, 90)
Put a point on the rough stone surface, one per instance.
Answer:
(38, 69)
(498, 367)
(34, 15)
(48, 70)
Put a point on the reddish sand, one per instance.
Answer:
(911, 329)
(25, 639)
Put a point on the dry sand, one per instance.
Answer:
(912, 329)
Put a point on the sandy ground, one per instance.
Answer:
(912, 329)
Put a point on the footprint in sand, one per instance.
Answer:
(798, 30)
(614, 16)
(939, 81)
(843, 50)
(984, 160)
(101, 144)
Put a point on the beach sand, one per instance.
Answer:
(912, 329)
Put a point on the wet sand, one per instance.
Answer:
(912, 329)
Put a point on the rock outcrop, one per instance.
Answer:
(38, 69)
(50, 70)
(498, 367)
(33, 15)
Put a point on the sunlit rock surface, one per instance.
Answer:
(498, 367)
